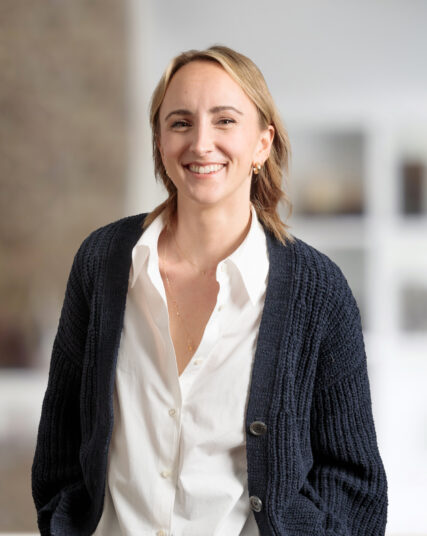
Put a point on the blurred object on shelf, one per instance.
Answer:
(327, 172)
(413, 308)
(413, 176)
(411, 146)
(324, 195)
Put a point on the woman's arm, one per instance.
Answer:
(56, 465)
(348, 479)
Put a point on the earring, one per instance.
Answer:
(256, 168)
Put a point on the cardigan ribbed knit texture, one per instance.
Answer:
(317, 469)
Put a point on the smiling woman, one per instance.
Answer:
(242, 106)
(209, 375)
(200, 139)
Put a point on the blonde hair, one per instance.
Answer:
(266, 188)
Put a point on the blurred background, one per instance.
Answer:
(350, 81)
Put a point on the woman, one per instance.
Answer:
(229, 352)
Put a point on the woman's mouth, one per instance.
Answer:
(209, 169)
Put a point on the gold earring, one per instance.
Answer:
(256, 168)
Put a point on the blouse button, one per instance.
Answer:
(172, 412)
(255, 503)
(258, 428)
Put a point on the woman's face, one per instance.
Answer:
(210, 136)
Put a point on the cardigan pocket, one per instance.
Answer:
(301, 517)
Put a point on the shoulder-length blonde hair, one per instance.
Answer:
(266, 188)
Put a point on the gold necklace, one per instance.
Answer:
(204, 272)
(189, 340)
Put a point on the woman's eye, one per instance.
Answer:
(180, 124)
(226, 121)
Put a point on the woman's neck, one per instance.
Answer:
(207, 236)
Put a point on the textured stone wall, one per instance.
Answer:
(63, 153)
(62, 150)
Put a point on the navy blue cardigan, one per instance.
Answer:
(316, 470)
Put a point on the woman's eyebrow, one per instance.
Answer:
(213, 110)
(217, 109)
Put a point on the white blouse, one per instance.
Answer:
(177, 457)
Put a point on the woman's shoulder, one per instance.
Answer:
(319, 271)
(309, 258)
(323, 290)
(111, 241)
(98, 242)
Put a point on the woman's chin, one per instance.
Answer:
(212, 194)
(204, 198)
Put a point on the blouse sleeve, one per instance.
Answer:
(348, 479)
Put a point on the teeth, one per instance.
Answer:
(205, 169)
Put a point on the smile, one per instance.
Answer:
(203, 170)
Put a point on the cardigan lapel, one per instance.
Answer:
(114, 294)
(275, 323)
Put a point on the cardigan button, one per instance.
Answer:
(258, 428)
(255, 503)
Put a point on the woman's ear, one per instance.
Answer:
(265, 143)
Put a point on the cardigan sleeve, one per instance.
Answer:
(347, 478)
(56, 468)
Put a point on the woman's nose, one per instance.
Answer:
(202, 140)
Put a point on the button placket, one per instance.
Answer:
(211, 335)
(168, 461)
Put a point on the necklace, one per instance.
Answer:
(203, 272)
(189, 340)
